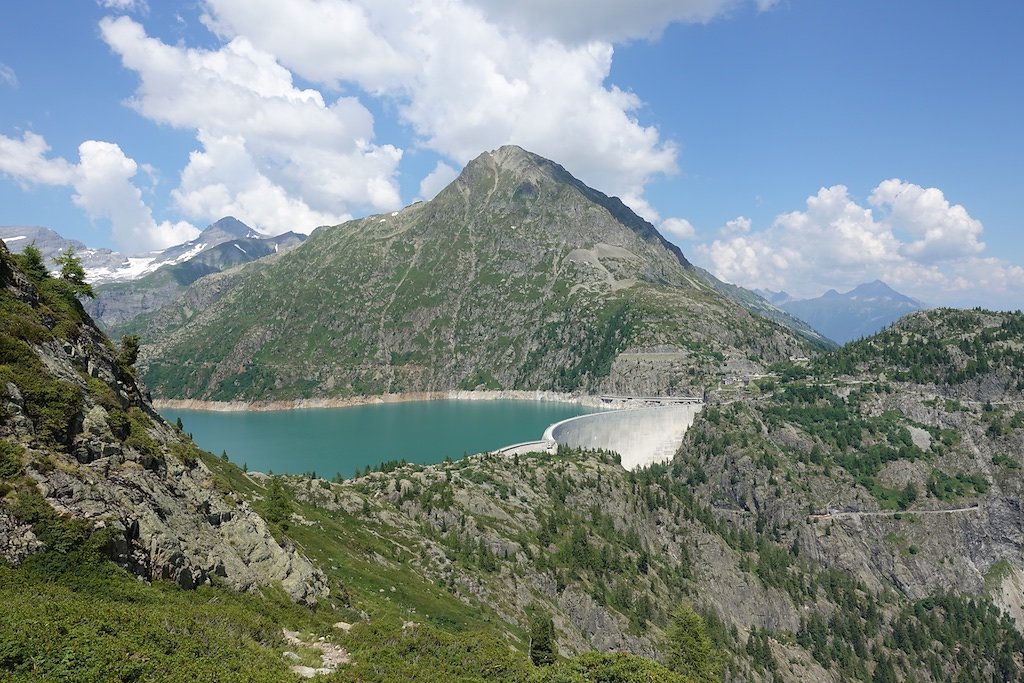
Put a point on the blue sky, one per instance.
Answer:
(797, 145)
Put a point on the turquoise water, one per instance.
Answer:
(339, 440)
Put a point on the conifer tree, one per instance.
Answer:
(72, 272)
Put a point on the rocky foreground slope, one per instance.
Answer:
(516, 276)
(79, 440)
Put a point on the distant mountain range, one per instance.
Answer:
(844, 317)
(128, 286)
(106, 265)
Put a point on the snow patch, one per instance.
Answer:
(135, 267)
(241, 250)
(194, 251)
(11, 239)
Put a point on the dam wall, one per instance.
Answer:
(642, 436)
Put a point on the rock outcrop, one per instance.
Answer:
(78, 431)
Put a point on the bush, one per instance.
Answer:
(11, 455)
(594, 667)
(51, 404)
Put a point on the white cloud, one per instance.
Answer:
(103, 187)
(578, 21)
(737, 226)
(223, 180)
(306, 161)
(7, 76)
(124, 5)
(837, 243)
(25, 161)
(677, 229)
(340, 41)
(466, 83)
(943, 232)
(437, 180)
(102, 181)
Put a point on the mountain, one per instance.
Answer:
(861, 312)
(769, 307)
(117, 303)
(51, 244)
(516, 275)
(776, 298)
(104, 265)
(853, 518)
(226, 229)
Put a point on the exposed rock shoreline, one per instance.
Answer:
(347, 402)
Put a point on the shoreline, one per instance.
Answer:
(588, 400)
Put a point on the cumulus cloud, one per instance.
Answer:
(437, 180)
(300, 161)
(103, 187)
(917, 242)
(737, 226)
(26, 162)
(223, 180)
(7, 76)
(466, 82)
(677, 229)
(124, 5)
(942, 231)
(577, 21)
(102, 184)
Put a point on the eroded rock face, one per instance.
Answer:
(117, 465)
(174, 525)
(16, 539)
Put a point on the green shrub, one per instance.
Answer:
(139, 438)
(11, 455)
(594, 667)
(61, 534)
(51, 404)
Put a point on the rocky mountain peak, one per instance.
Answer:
(228, 227)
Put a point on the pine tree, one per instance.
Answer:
(31, 261)
(129, 350)
(542, 640)
(689, 649)
(72, 272)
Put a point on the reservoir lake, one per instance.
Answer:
(339, 440)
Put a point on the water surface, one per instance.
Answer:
(339, 440)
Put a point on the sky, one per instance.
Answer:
(796, 145)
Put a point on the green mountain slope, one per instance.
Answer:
(515, 276)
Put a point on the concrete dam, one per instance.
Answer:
(642, 436)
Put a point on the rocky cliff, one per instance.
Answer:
(83, 453)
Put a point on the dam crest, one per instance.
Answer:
(641, 435)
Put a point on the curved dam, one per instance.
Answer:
(642, 436)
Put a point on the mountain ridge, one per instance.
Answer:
(846, 316)
(514, 276)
